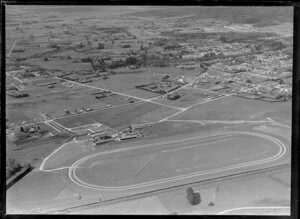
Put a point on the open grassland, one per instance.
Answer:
(158, 114)
(281, 131)
(237, 108)
(63, 65)
(35, 150)
(230, 14)
(123, 82)
(69, 150)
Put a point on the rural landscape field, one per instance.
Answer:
(148, 110)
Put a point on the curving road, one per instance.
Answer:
(177, 161)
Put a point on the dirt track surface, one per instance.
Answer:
(178, 160)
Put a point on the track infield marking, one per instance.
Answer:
(252, 208)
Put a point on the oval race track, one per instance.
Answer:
(176, 160)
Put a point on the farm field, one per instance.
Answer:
(125, 109)
(187, 97)
(39, 93)
(124, 82)
(114, 118)
(56, 108)
(116, 100)
(44, 80)
(141, 93)
(174, 71)
(55, 101)
(15, 115)
(32, 51)
(63, 65)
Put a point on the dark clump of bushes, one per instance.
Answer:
(161, 42)
(126, 46)
(117, 64)
(12, 166)
(54, 46)
(193, 198)
(22, 135)
(159, 63)
(87, 59)
(100, 46)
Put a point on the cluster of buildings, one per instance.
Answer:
(273, 64)
(110, 135)
(30, 129)
(218, 50)
(165, 86)
(273, 91)
(18, 94)
(84, 76)
(16, 86)
(188, 66)
(102, 93)
(236, 80)
(78, 111)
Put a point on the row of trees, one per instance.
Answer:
(24, 132)
(54, 46)
(132, 60)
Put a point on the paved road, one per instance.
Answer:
(11, 49)
(122, 94)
